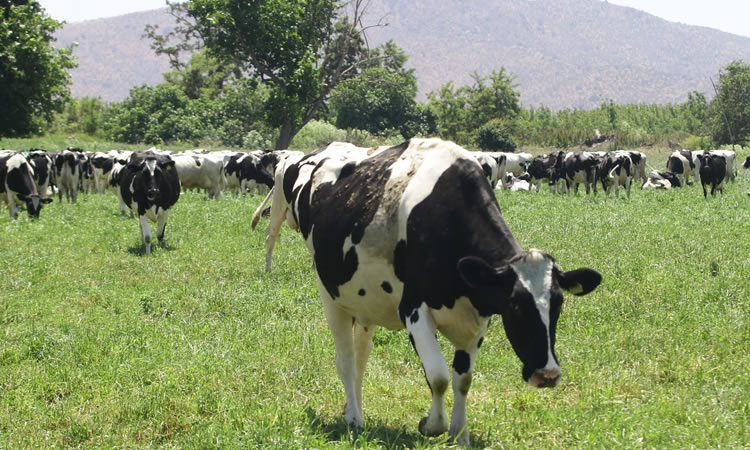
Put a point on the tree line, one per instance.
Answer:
(254, 74)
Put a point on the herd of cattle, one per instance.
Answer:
(368, 218)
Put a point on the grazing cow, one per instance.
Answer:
(639, 164)
(369, 224)
(201, 171)
(546, 168)
(67, 167)
(713, 172)
(577, 168)
(681, 163)
(43, 168)
(101, 164)
(244, 171)
(515, 163)
(615, 170)
(150, 186)
(661, 180)
(17, 186)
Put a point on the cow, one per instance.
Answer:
(577, 168)
(730, 157)
(515, 184)
(369, 225)
(746, 164)
(661, 180)
(489, 166)
(101, 164)
(43, 168)
(546, 168)
(244, 171)
(119, 162)
(150, 187)
(639, 164)
(681, 163)
(201, 171)
(615, 170)
(67, 174)
(515, 163)
(713, 172)
(17, 186)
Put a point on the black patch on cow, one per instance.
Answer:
(387, 287)
(344, 209)
(399, 260)
(470, 224)
(481, 341)
(414, 318)
(674, 165)
(713, 170)
(461, 362)
(362, 292)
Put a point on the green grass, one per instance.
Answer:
(196, 346)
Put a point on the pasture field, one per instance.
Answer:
(197, 346)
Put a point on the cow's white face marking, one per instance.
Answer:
(535, 274)
(151, 166)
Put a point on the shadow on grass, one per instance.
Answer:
(377, 433)
(140, 249)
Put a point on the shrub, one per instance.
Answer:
(494, 136)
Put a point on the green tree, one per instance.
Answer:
(382, 98)
(730, 109)
(33, 78)
(301, 49)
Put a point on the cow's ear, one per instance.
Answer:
(169, 165)
(477, 273)
(135, 166)
(579, 281)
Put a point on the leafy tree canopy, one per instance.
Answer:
(33, 78)
(730, 109)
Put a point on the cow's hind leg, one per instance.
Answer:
(422, 330)
(362, 348)
(340, 323)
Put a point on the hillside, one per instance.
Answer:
(565, 53)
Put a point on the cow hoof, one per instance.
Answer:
(431, 429)
(462, 439)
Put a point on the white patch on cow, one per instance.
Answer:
(535, 274)
(151, 166)
(461, 325)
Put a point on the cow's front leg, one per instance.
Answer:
(421, 327)
(340, 324)
(145, 232)
(463, 366)
(161, 225)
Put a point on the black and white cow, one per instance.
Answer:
(661, 180)
(746, 165)
(615, 170)
(43, 168)
(67, 174)
(244, 171)
(101, 165)
(17, 186)
(681, 163)
(546, 168)
(579, 167)
(638, 159)
(369, 222)
(713, 172)
(150, 186)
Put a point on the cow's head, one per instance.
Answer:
(528, 293)
(150, 171)
(34, 204)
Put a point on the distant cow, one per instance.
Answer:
(638, 159)
(244, 171)
(681, 163)
(713, 172)
(67, 174)
(515, 163)
(149, 186)
(546, 168)
(201, 171)
(370, 225)
(43, 168)
(17, 186)
(746, 165)
(661, 180)
(577, 168)
(515, 184)
(730, 158)
(615, 170)
(101, 165)
(489, 166)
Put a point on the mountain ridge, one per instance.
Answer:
(565, 53)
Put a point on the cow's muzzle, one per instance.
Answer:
(542, 378)
(151, 194)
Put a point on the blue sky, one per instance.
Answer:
(732, 16)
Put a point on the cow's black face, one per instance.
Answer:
(34, 204)
(152, 174)
(528, 293)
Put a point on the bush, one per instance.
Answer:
(493, 136)
(698, 143)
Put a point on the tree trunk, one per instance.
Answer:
(286, 134)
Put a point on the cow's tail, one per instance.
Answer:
(611, 175)
(257, 213)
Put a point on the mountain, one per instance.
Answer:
(565, 53)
